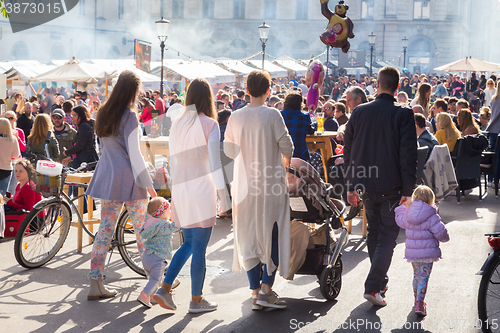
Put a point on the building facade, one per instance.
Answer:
(439, 31)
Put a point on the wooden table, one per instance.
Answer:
(155, 146)
(83, 178)
(322, 141)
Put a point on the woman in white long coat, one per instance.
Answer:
(197, 178)
(257, 139)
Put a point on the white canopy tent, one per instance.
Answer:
(469, 64)
(200, 69)
(274, 70)
(236, 66)
(75, 71)
(292, 65)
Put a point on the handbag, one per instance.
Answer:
(149, 166)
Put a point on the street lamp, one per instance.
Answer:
(264, 34)
(371, 41)
(404, 41)
(162, 29)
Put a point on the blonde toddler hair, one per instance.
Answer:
(423, 193)
(154, 204)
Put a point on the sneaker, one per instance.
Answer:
(203, 306)
(165, 299)
(375, 299)
(420, 309)
(176, 283)
(144, 299)
(384, 290)
(255, 306)
(271, 300)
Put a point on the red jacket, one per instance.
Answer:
(25, 198)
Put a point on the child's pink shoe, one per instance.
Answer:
(420, 309)
(144, 299)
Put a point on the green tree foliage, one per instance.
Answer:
(3, 10)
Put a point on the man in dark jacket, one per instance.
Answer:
(380, 154)
(65, 134)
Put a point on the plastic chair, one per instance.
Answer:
(491, 168)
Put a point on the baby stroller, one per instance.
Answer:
(310, 203)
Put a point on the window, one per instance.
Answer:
(270, 9)
(208, 8)
(120, 9)
(239, 9)
(301, 10)
(367, 9)
(81, 9)
(178, 8)
(421, 10)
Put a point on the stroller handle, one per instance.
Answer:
(294, 172)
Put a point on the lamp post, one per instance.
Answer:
(371, 41)
(264, 34)
(162, 29)
(404, 41)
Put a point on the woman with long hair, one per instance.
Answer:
(84, 147)
(423, 98)
(9, 151)
(467, 123)
(42, 128)
(145, 116)
(121, 176)
(16, 131)
(494, 126)
(25, 119)
(405, 86)
(257, 138)
(197, 176)
(447, 131)
(489, 92)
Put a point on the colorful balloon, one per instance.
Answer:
(314, 80)
(339, 28)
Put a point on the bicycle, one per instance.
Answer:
(488, 303)
(45, 229)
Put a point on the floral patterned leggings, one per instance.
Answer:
(109, 214)
(421, 273)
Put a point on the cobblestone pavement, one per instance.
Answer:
(53, 298)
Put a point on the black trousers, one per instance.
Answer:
(382, 234)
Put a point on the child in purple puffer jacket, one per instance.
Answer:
(424, 231)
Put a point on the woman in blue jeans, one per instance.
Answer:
(197, 178)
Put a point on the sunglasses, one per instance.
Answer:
(56, 117)
(327, 108)
(11, 118)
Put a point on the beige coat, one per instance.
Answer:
(256, 138)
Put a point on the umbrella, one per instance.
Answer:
(469, 65)
(75, 71)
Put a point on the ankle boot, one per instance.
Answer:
(98, 290)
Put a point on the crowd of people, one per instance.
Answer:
(262, 127)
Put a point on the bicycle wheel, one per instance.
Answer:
(489, 299)
(127, 243)
(42, 233)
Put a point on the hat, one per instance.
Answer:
(59, 112)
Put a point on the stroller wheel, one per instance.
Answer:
(330, 281)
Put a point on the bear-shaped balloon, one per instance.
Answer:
(339, 28)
